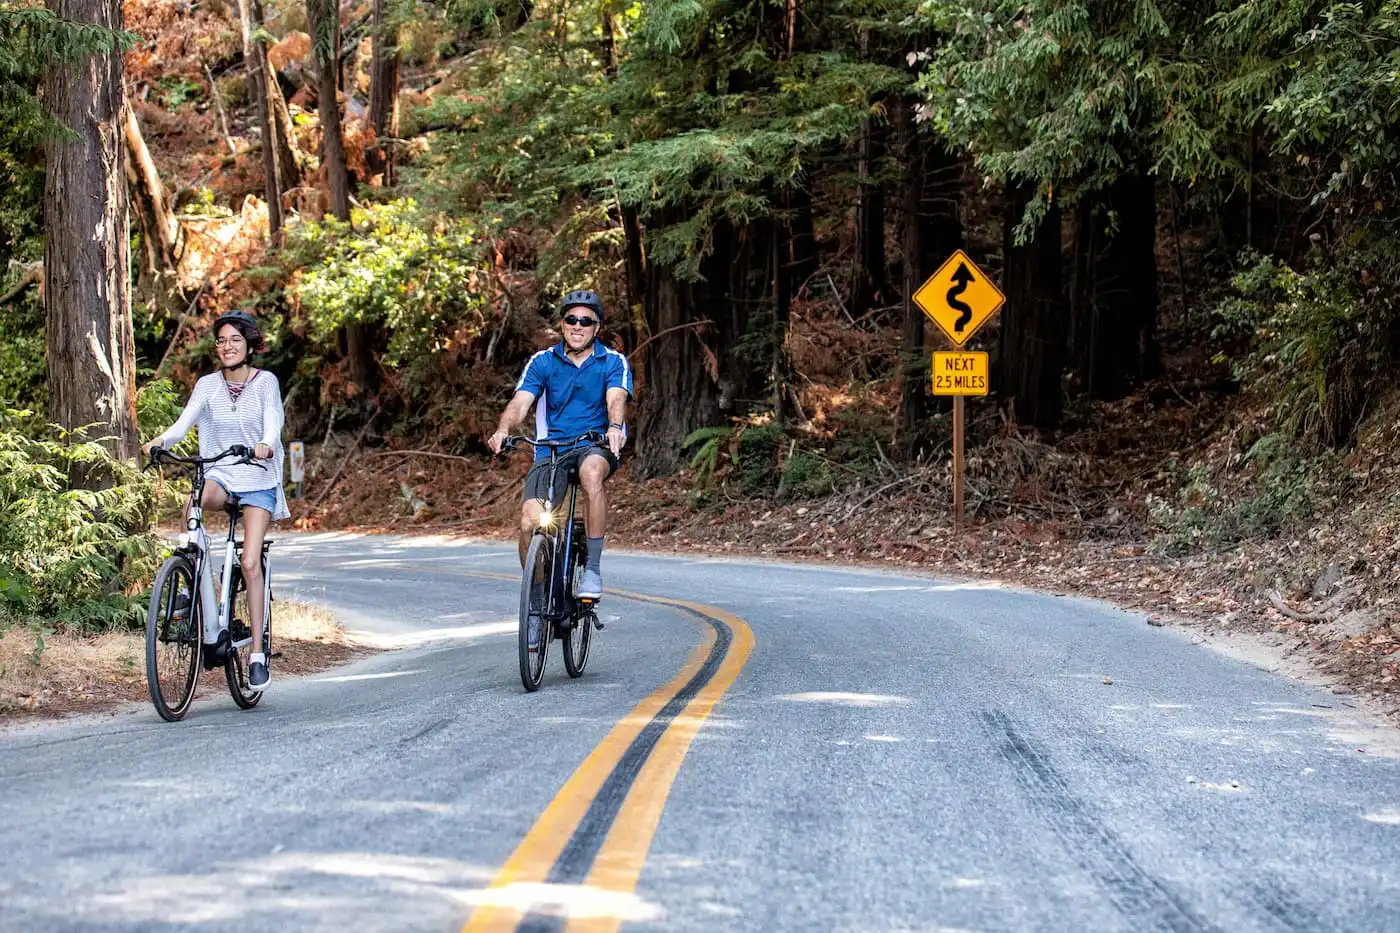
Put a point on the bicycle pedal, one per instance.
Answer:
(275, 654)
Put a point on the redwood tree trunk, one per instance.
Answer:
(325, 39)
(692, 377)
(680, 393)
(1114, 293)
(870, 276)
(259, 79)
(89, 350)
(383, 96)
(1032, 342)
(804, 239)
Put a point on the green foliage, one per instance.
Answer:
(416, 273)
(177, 91)
(1285, 491)
(76, 558)
(21, 348)
(752, 454)
(33, 39)
(1307, 339)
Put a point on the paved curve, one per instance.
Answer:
(896, 753)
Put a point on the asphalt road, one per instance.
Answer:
(767, 748)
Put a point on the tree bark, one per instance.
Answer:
(804, 238)
(259, 79)
(1114, 292)
(383, 96)
(782, 312)
(90, 354)
(324, 20)
(870, 274)
(1032, 331)
(692, 379)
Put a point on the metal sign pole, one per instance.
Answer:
(959, 427)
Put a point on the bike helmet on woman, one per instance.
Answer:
(582, 298)
(245, 324)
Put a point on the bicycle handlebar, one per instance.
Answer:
(511, 440)
(160, 455)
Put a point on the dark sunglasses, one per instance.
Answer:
(581, 321)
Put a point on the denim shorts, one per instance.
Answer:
(265, 499)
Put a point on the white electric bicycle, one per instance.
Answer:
(188, 625)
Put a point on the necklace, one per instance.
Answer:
(235, 389)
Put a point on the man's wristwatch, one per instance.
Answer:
(620, 427)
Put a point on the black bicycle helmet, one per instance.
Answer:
(582, 298)
(246, 325)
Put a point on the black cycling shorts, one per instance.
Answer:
(537, 480)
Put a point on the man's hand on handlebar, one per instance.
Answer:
(496, 442)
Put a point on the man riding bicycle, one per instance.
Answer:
(581, 385)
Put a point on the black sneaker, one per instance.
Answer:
(258, 677)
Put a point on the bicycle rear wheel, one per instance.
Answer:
(534, 598)
(173, 645)
(241, 643)
(579, 638)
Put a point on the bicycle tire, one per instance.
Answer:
(579, 638)
(539, 562)
(236, 664)
(163, 629)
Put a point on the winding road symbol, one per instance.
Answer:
(962, 279)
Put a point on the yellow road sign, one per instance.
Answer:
(959, 298)
(960, 373)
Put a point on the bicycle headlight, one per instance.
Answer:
(546, 519)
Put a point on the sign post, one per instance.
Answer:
(297, 461)
(959, 298)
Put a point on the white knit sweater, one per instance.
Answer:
(255, 419)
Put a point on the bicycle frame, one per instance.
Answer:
(563, 537)
(216, 606)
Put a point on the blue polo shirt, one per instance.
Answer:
(571, 398)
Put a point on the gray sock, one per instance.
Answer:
(595, 555)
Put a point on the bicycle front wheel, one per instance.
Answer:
(534, 599)
(173, 645)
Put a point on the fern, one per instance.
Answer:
(76, 558)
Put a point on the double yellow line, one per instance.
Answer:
(632, 760)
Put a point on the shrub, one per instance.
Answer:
(75, 558)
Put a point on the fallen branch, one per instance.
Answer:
(1322, 614)
(32, 275)
(219, 106)
(420, 453)
(180, 327)
(704, 323)
(345, 461)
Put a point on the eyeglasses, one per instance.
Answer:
(581, 321)
(228, 342)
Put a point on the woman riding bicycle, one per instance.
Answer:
(240, 405)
